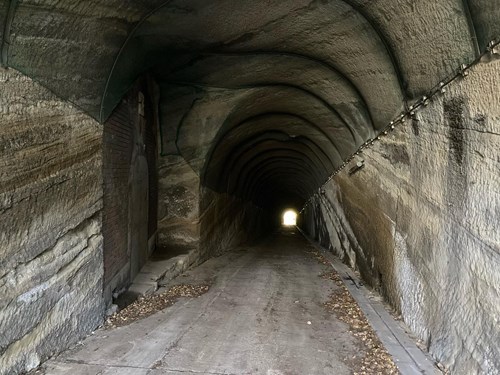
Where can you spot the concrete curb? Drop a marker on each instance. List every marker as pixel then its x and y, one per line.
pixel 407 356
pixel 156 274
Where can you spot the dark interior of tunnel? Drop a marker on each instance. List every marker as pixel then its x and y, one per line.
pixel 140 139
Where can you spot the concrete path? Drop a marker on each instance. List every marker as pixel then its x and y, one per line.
pixel 263 314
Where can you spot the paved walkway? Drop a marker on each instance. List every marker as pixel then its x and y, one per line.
pixel 263 314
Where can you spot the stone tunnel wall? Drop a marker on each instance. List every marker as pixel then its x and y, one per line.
pixel 419 222
pixel 227 222
pixel 51 262
pixel 178 208
pixel 197 220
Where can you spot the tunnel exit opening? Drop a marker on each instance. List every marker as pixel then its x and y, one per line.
pixel 289 218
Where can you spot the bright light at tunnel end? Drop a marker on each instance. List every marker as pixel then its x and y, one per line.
pixel 289 218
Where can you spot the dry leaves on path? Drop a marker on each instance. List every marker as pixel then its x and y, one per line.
pixel 319 257
pixel 149 305
pixel 375 358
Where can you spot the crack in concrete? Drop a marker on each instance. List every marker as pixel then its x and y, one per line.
pixel 80 362
pixel 198 372
pixel 69 361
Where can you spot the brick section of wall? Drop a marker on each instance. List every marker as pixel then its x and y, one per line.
pixel 118 147
pixel 151 142
pixel 117 152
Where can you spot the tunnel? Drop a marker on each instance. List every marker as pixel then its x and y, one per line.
pixel 165 133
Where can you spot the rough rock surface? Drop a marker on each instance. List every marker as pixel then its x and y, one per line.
pixel 101 45
pixel 420 222
pixel 178 209
pixel 227 222
pixel 192 217
pixel 50 224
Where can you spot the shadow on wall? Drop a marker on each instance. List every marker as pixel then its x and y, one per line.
pixel 227 222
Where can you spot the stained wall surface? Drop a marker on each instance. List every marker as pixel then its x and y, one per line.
pixel 420 222
pixel 51 261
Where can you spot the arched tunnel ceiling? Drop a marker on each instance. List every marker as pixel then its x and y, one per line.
pixel 290 87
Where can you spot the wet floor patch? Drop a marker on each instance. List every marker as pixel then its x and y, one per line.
pixel 146 306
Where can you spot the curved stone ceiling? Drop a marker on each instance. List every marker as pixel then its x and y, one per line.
pixel 263 99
